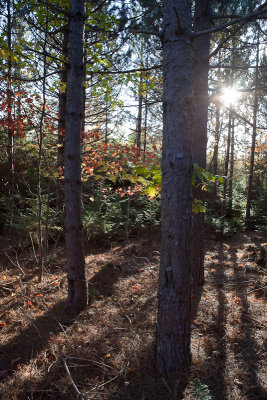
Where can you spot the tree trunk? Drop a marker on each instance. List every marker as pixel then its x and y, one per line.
pixel 62 123
pixel 215 156
pixel 77 288
pixel 231 171
pixel 10 128
pixel 145 128
pixel 174 303
pixel 140 112
pixel 202 21
pixel 226 167
pixel 253 142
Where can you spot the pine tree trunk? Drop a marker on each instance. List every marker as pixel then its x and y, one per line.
pixel 77 288
pixel 231 171
pixel 215 156
pixel 62 124
pixel 253 142
pixel 140 112
pixel 10 128
pixel 202 21
pixel 145 128
pixel 226 167
pixel 174 303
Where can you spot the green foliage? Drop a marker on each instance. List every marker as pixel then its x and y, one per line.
pixel 201 391
pixel 115 216
pixel 205 180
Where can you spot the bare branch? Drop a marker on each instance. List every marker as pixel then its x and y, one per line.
pixel 125 71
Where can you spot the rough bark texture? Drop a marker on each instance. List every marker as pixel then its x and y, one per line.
pixel 140 112
pixel 62 123
pixel 215 157
pixel 231 170
pixel 226 168
pixel 10 139
pixel 173 326
pixel 202 21
pixel 77 288
pixel 253 142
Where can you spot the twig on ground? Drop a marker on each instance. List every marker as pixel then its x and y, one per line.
pixel 105 383
pixel 91 361
pixel 79 394
pixel 147 260
pixel 126 366
pixel 124 312
pixel 15 264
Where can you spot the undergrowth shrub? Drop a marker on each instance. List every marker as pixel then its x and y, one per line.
pixel 201 391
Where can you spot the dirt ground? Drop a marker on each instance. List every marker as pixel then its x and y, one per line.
pixel 107 352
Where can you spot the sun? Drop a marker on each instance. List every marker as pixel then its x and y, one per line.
pixel 230 96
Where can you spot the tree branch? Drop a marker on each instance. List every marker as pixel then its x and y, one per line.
pixel 235 67
pixel 220 45
pixel 261 10
pixel 126 71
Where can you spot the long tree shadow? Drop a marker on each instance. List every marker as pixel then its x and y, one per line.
pixel 247 351
pixel 25 346
pixel 90 370
pixel 32 339
pixel 215 364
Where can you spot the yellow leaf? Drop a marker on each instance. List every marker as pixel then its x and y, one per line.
pixel 55 174
pixel 3 277
pixel 92 199
pixel 108 355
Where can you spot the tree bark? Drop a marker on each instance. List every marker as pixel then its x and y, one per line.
pixel 202 21
pixel 77 288
pixel 62 123
pixel 10 127
pixel 231 171
pixel 226 167
pixel 173 326
pixel 215 156
pixel 140 112
pixel 253 142
pixel 145 128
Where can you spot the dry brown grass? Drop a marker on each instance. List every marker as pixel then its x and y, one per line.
pixel 107 352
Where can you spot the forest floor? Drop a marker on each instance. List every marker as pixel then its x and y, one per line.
pixel 107 352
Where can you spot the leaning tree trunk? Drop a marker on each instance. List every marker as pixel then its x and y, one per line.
pixel 202 21
pixel 77 288
pixel 173 326
pixel 253 143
